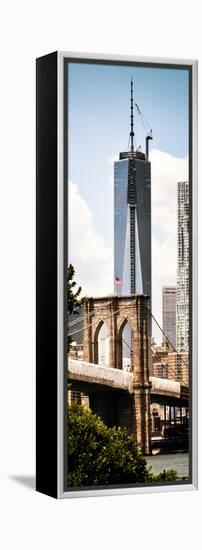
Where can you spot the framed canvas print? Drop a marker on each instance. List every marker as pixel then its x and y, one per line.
pixel 116 169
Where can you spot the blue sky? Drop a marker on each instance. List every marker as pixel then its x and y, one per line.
pixel 99 105
pixel 99 125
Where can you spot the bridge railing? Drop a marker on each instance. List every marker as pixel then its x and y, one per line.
pixel 100 374
pixel 165 386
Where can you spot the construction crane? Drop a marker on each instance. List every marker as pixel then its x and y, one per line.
pixel 147 129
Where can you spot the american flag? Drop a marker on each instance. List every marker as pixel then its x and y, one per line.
pixel 118 281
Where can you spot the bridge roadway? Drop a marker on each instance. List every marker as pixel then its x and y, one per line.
pixel 98 377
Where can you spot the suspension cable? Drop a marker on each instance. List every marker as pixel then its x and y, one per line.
pixel 174 349
pixel 162 364
pixel 83 316
pixel 117 311
pixel 110 315
pixel 75 321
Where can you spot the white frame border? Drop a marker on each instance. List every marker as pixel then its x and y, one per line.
pixel 60 307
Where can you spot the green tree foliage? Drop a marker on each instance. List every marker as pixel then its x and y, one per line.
pixel 166 475
pixel 72 293
pixel 98 455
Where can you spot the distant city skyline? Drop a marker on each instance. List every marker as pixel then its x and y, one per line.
pixel 98 101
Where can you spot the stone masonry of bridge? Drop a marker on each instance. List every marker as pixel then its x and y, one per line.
pixel 115 312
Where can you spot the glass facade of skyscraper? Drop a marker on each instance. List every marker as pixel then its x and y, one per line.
pixel 122 268
pixel 132 225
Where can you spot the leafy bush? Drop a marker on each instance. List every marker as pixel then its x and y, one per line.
pixel 166 475
pixel 98 455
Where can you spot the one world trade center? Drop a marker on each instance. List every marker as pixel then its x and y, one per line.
pixel 132 217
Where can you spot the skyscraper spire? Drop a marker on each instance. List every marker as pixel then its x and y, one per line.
pixel 131 118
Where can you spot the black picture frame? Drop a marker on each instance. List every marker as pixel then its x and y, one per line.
pixel 51 264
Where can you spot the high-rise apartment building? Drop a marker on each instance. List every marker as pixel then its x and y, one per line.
pixel 169 295
pixel 132 218
pixel 183 268
pixel 178 367
pixel 160 361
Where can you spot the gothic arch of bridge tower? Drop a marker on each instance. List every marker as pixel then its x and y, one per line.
pixel 115 312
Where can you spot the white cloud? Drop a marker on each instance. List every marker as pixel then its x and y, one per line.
pixel 166 170
pixel 87 251
pixel 112 159
pixel 93 259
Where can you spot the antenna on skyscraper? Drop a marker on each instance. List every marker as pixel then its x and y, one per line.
pixel 131 118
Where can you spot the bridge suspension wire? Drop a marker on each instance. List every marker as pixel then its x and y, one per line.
pixel 121 309
pixel 92 313
pixel 132 353
pixel 104 318
pixel 168 340
pixel 83 316
pixel 172 371
pixel 162 364
pixel 114 313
